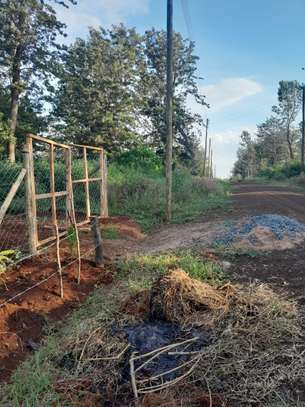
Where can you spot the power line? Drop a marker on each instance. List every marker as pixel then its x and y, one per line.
pixel 187 17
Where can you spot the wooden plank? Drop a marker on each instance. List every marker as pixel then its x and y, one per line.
pixel 84 180
pixel 50 239
pixel 11 194
pixel 52 186
pixel 31 211
pixel 87 190
pixel 48 141
pixel 84 146
pixel 50 195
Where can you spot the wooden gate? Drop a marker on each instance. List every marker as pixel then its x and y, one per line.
pixel 32 197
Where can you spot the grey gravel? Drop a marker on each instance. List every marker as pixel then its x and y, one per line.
pixel 279 225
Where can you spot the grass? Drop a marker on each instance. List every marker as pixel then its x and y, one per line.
pixel 110 233
pixel 140 194
pixel 33 383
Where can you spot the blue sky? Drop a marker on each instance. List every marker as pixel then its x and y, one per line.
pixel 245 47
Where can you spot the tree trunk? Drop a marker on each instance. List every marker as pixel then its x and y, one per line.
pixel 291 155
pixel 15 93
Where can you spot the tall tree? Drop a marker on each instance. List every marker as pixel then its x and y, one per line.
pixel 96 100
pixel 289 105
pixel 153 88
pixel 28 49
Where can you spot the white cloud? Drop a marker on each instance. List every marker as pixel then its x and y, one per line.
pixel 230 91
pixel 97 13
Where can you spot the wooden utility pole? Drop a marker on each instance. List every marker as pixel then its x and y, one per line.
pixel 211 165
pixel 209 157
pixel 169 111
pixel 205 147
pixel 303 130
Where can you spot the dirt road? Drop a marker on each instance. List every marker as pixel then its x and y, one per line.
pixel 252 199
pixel 285 270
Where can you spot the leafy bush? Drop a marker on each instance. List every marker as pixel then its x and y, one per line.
pixel 281 171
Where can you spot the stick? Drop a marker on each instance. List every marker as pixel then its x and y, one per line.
pixel 11 194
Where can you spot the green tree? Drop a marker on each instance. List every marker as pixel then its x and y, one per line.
pixel 152 87
pixel 289 98
pixel 96 101
pixel 28 49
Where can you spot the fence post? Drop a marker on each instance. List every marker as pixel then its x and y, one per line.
pixel 103 185
pixel 31 211
pixel 87 190
pixel 98 243
pixel 69 188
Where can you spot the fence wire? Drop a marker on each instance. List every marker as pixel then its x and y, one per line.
pixel 13 229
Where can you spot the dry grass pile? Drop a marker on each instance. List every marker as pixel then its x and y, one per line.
pixel 176 297
pixel 256 356
pixel 258 353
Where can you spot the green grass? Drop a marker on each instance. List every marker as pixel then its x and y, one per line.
pixel 140 194
pixel 110 233
pixel 33 383
pixel 137 191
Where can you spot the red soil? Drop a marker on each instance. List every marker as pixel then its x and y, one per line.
pixel 22 320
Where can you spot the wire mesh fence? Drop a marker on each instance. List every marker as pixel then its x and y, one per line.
pixel 54 167
pixel 13 229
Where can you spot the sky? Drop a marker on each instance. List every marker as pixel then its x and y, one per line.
pixel 245 47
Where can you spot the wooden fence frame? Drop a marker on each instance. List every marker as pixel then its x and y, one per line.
pixel 32 197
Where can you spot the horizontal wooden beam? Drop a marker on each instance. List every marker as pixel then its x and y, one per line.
pixel 48 141
pixel 84 180
pixel 90 147
pixel 50 195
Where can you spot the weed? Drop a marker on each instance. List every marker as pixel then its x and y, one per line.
pixel 110 234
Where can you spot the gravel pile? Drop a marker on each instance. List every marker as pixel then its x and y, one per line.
pixel 280 226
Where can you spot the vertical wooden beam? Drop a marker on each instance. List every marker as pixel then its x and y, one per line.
pixel 87 190
pixel 52 184
pixel 103 186
pixel 31 211
pixel 69 188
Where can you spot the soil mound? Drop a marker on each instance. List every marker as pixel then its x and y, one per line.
pixel 265 232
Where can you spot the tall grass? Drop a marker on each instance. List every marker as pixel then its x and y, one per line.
pixel 136 189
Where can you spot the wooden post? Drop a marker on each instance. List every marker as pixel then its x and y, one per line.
pixel 52 185
pixel 11 194
pixel 69 188
pixel 70 209
pixel 31 211
pixel 87 190
pixel 103 186
pixel 98 243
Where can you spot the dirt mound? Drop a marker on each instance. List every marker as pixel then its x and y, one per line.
pixel 265 232
pixel 176 297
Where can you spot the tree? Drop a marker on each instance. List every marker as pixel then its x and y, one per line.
pixel 185 82
pixel 246 164
pixel 271 143
pixel 289 98
pixel 96 101
pixel 28 49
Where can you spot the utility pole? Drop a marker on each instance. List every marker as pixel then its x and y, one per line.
pixel 303 130
pixel 205 147
pixel 211 165
pixel 209 157
pixel 169 110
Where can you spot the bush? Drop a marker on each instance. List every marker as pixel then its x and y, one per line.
pixel 281 171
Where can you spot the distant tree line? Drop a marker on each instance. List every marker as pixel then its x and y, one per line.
pixel 277 139
pixel 106 90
